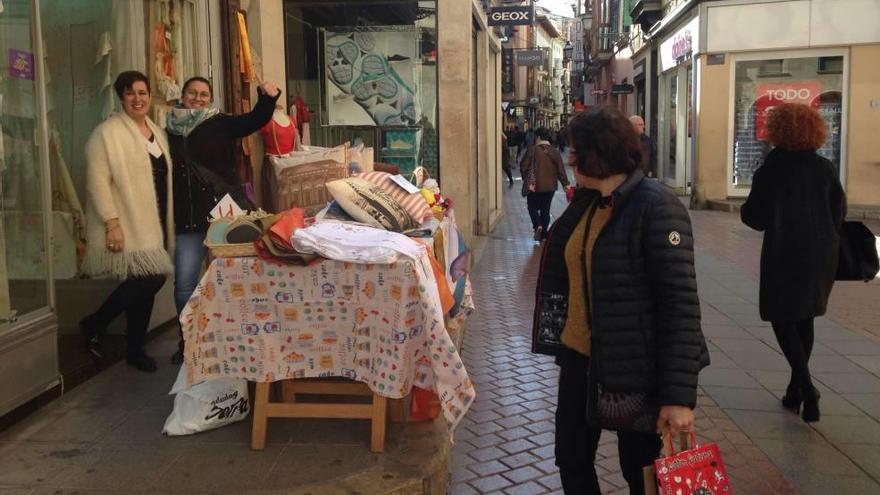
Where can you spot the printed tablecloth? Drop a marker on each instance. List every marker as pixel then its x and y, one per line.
pixel 376 324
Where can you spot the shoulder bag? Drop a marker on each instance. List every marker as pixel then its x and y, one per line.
pixel 858 253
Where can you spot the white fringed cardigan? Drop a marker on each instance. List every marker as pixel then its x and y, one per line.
pixel 120 185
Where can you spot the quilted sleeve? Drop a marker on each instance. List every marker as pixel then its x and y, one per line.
pixel 668 245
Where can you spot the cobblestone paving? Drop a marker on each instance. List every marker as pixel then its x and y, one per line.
pixel 505 444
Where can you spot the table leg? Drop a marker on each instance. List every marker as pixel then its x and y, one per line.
pixel 398 408
pixel 287 391
pixel 380 410
pixel 261 406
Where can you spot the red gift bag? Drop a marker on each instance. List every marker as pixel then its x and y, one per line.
pixel 698 471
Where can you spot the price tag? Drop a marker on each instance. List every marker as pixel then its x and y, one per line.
pixel 226 207
pixel 405 184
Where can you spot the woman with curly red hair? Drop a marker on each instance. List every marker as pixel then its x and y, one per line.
pixel 799 204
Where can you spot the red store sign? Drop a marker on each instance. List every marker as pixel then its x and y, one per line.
pixel 769 95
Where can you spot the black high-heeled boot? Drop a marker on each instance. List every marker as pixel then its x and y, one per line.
pixel 811 405
pixel 793 398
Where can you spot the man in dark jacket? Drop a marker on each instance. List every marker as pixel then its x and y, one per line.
pixel 541 169
pixel 649 147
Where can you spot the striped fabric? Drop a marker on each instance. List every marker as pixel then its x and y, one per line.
pixel 414 204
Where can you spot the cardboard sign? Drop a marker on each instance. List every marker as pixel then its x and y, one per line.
pixel 770 95
pixel 226 207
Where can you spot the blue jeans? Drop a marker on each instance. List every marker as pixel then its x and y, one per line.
pixel 189 254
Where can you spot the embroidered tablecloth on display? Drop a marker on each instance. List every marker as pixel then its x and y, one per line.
pixel 380 324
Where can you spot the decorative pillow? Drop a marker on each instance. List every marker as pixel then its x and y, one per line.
pixel 414 203
pixel 369 204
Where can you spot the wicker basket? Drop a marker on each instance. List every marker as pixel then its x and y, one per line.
pixel 232 250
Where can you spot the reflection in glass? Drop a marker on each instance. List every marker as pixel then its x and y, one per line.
pixel 762 84
pixel 368 74
pixel 23 267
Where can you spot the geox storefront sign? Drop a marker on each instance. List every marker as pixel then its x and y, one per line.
pixel 512 16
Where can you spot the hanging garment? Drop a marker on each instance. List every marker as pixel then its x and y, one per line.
pixel 246 66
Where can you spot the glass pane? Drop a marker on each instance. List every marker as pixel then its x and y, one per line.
pixel 78 60
pixel 367 73
pixel 763 84
pixel 23 272
pixel 672 124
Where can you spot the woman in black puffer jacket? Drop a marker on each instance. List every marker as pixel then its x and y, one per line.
pixel 617 305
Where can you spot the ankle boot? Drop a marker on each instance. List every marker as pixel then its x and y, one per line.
pixel 811 405
pixel 793 398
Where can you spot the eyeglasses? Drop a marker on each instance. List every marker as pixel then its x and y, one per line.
pixel 202 96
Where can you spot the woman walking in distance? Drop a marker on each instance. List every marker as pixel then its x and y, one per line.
pixel 129 216
pixel 799 204
pixel 617 304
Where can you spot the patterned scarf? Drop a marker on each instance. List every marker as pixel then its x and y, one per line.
pixel 181 121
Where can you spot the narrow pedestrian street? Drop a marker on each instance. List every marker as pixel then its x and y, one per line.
pixel 505 444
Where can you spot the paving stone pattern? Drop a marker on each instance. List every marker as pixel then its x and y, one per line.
pixel 505 444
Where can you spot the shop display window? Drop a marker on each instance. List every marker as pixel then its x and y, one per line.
pixel 86 44
pixel 23 269
pixel 762 84
pixel 367 73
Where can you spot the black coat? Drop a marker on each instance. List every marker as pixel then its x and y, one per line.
pixel 212 145
pixel 799 204
pixel 645 326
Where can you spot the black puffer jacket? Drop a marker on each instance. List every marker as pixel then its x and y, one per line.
pixel 646 334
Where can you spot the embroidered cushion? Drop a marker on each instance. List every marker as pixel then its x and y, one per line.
pixel 369 204
pixel 414 204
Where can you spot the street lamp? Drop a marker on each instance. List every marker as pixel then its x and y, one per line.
pixel 567 51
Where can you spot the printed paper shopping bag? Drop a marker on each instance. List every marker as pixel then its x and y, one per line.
pixel 698 471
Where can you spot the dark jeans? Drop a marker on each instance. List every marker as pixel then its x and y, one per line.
pixel 796 341
pixel 577 440
pixel 539 209
pixel 189 256
pixel 505 162
pixel 134 297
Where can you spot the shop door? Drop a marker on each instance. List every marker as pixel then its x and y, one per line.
pixel 475 145
pixel 668 148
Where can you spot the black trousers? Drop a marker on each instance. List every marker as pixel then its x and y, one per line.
pixel 796 341
pixel 505 163
pixel 577 440
pixel 134 297
pixel 539 209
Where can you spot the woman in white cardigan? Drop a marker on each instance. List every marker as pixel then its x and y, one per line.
pixel 129 223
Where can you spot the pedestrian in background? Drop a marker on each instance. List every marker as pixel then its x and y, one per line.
pixel 129 217
pixel 649 147
pixel 541 169
pixel 202 141
pixel 799 204
pixel 617 305
pixel 560 139
pixel 505 159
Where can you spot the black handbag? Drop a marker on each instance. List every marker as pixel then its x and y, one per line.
pixel 219 188
pixel 858 253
